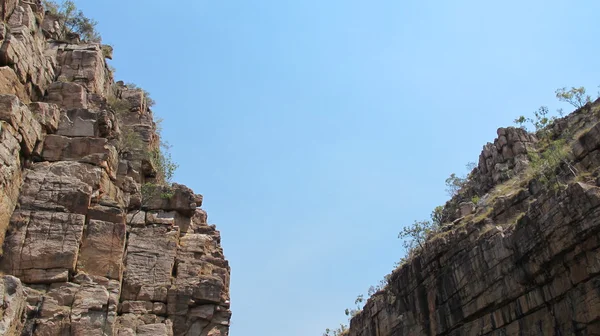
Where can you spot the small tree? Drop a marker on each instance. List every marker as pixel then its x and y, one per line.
pixel 416 234
pixel 575 96
pixel 541 119
pixel 73 20
pixel 437 216
pixel 454 184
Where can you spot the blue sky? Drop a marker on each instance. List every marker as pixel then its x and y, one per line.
pixel 316 129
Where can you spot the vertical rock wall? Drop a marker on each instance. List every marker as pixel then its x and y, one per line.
pixel 84 252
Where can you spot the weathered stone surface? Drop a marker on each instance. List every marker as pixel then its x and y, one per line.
pixel 158 329
pixel 13 303
pixel 183 200
pixel 67 95
pixel 41 246
pixel 21 118
pixel 51 26
pixel 52 187
pixel 95 151
pixel 78 309
pixel 79 123
pixel 150 250
pixel 23 49
pixel 7 8
pixel 10 84
pixel 101 251
pixel 48 115
pixel 83 64
pixel 10 174
pixel 66 186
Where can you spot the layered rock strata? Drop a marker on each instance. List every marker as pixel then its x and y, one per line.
pixel 84 250
pixel 522 260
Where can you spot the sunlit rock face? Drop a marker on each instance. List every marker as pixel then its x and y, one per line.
pixel 84 251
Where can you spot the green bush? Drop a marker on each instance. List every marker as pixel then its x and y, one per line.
pixel 547 166
pixel 342 330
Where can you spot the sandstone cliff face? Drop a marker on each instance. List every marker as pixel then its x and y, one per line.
pixel 84 252
pixel 524 260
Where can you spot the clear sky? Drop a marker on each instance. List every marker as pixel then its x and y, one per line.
pixel 316 129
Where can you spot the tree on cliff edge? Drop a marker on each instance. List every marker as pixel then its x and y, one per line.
pixel 72 20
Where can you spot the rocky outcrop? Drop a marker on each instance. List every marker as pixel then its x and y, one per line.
pixel 85 250
pixel 524 260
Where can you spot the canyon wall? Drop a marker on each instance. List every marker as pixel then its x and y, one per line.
pixel 516 255
pixel 86 248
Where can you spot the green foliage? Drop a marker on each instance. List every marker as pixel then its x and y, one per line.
pixel 454 184
pixel 353 312
pixel 154 190
pixel 342 330
pixel 575 96
pixel 546 166
pixel 130 140
pixel 73 20
pixel 107 51
pixel 416 234
pixel 475 199
pixel 437 216
pixel 163 163
pixel 541 119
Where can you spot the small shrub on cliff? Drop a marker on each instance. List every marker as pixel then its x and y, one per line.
pixel 414 235
pixel 73 20
pixel 540 121
pixel 547 166
pixel 437 216
pixel 161 158
pixel 454 183
pixel 341 331
pixel 129 140
pixel 575 96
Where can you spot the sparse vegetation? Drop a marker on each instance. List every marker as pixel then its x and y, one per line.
pixel 575 96
pixel 149 101
pixel 454 183
pixel 342 330
pixel 161 158
pixel 72 20
pixel 547 166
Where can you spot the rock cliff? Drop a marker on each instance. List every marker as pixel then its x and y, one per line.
pixel 86 249
pixel 515 256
